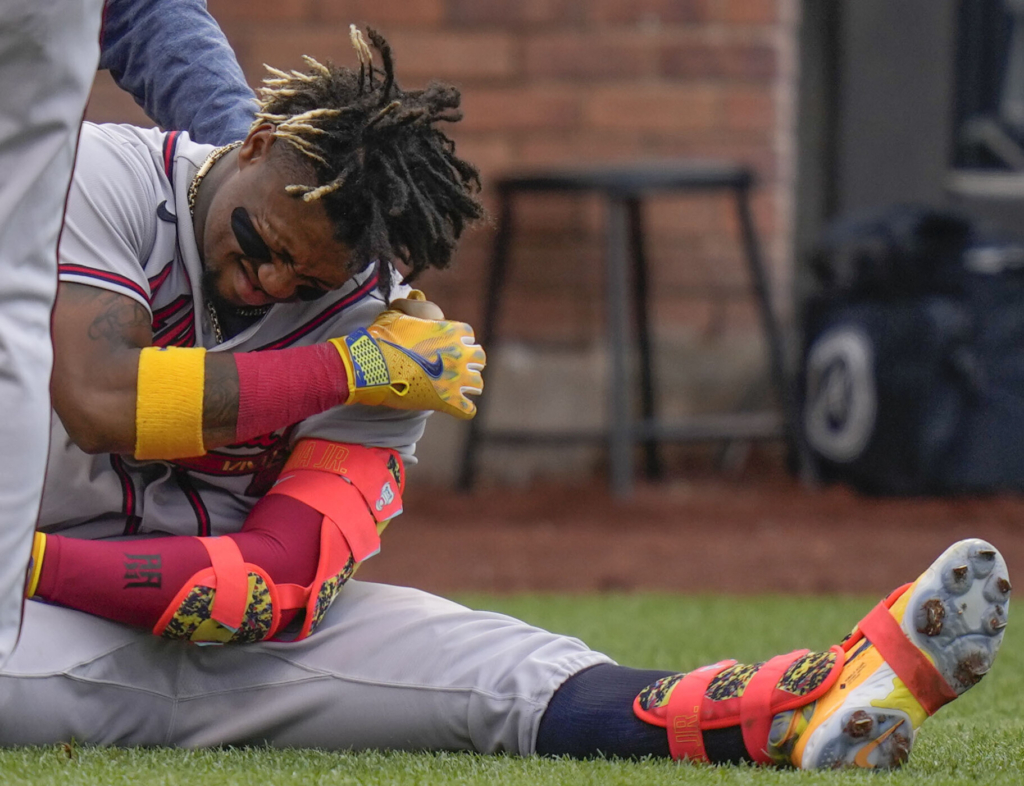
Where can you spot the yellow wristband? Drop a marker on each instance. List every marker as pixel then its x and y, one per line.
pixel 35 567
pixel 169 403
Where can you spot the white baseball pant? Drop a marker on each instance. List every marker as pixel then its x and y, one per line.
pixel 49 50
pixel 389 668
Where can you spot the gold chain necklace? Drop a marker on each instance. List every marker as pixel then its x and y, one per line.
pixel 193 192
pixel 218 332
pixel 248 313
pixel 204 170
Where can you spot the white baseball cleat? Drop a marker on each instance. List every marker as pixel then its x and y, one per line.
pixel 920 648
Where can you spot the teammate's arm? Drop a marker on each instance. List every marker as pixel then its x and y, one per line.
pixel 205 93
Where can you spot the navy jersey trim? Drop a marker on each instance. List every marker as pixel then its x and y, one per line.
pixel 181 333
pixel 103 275
pixel 196 501
pixel 163 315
pixel 170 145
pixel 160 278
pixel 128 506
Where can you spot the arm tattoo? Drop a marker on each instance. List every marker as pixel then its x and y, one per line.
pixel 119 320
pixel 220 399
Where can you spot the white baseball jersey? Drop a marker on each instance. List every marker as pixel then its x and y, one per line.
pixel 389 667
pixel 128 230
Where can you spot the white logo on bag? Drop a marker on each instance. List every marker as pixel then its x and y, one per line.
pixel 387 496
pixel 842 402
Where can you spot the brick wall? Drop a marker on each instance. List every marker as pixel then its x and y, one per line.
pixel 556 81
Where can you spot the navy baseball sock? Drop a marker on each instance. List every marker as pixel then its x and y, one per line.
pixel 591 714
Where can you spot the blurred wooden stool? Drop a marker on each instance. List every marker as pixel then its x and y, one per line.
pixel 624 187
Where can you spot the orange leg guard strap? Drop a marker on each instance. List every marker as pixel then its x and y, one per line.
pixel 685 738
pixel 230 602
pixel 378 474
pixel 339 502
pixel 232 595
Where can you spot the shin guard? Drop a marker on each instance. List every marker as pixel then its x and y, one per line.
pixel 230 602
pixel 734 694
pixel 358 490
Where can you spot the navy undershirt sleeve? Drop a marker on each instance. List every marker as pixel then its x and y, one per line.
pixel 175 61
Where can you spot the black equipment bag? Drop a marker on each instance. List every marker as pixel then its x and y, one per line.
pixel 912 377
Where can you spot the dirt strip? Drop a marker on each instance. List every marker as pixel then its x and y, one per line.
pixel 706 535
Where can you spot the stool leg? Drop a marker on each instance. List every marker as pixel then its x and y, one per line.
pixel 642 309
pixel 776 356
pixel 488 332
pixel 620 429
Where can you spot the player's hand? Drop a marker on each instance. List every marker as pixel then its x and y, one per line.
pixel 417 305
pixel 407 362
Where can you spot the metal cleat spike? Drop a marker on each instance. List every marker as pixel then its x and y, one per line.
pixel 1004 586
pixel 998 624
pixel 987 554
pixel 859 725
pixel 960 572
pixel 971 669
pixel 934 614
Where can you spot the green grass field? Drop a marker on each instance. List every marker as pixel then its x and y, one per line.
pixel 977 739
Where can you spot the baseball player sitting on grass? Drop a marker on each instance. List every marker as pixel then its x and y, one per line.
pixel 236 400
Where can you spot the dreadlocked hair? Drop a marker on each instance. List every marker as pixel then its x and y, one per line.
pixel 387 176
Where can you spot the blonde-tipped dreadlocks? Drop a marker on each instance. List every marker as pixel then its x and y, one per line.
pixel 388 178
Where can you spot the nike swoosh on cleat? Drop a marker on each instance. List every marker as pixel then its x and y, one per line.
pixel 861 759
pixel 432 367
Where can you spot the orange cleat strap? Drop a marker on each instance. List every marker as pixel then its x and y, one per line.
pixel 922 679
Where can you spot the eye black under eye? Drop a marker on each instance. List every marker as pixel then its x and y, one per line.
pixel 248 238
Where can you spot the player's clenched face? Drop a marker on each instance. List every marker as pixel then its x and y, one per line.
pixel 260 245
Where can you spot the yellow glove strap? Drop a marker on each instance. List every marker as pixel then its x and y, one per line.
pixel 36 566
pixel 169 403
pixel 366 368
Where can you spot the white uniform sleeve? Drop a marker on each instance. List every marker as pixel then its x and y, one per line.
pixel 110 222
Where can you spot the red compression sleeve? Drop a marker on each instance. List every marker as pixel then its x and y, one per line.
pixel 134 581
pixel 283 386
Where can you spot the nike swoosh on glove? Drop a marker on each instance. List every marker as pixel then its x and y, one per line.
pixel 405 362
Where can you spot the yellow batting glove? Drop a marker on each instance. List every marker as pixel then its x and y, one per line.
pixel 405 362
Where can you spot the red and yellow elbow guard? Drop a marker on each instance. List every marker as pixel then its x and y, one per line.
pixel 356 489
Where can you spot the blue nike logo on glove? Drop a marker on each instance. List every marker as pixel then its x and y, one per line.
pixel 433 368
